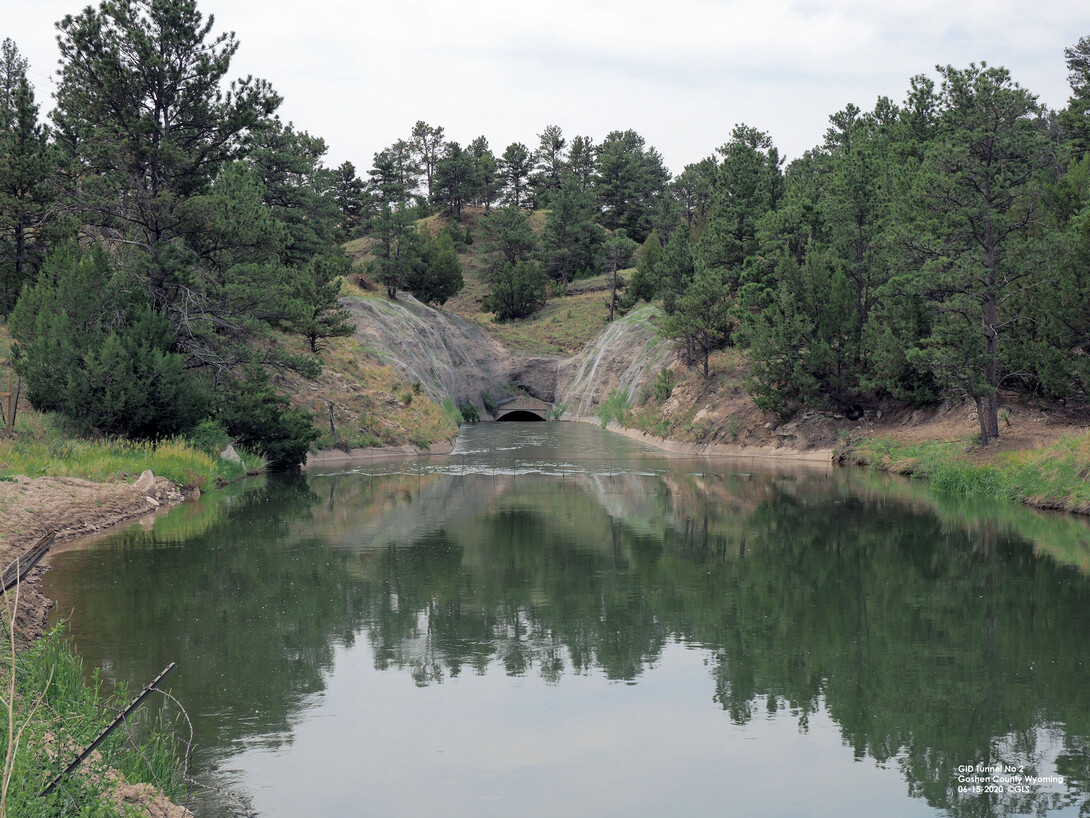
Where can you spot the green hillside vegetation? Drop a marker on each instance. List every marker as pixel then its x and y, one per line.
pixel 922 253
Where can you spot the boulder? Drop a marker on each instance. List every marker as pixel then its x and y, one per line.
pixel 145 483
pixel 230 455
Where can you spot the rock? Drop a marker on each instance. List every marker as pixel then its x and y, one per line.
pixel 152 502
pixel 145 483
pixel 230 455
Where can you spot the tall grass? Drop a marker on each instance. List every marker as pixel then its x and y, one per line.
pixel 1053 476
pixel 43 447
pixel 69 714
pixel 614 407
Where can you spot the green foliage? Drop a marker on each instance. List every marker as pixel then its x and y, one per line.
pixel 518 291
pixel 614 408
pixel 617 252
pixel 701 319
pixel 88 349
pixel 644 283
pixel 439 275
pixel 488 403
pixel 45 446
pixel 27 183
pixel 631 179
pixel 258 418
pixel 1050 477
pixel 71 714
pixel 664 384
pixel 571 239
pixel 510 234
pixel 398 247
pixel 468 411
pixel 803 348
pixel 316 314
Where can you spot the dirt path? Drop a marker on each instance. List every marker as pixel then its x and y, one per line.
pixel 29 509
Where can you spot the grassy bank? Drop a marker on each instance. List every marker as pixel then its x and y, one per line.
pixel 43 447
pixel 1052 477
pixel 52 715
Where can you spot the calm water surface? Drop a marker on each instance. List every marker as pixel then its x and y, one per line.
pixel 554 621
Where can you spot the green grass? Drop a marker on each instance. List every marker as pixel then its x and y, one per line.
pixel 614 407
pixel 43 447
pixel 1054 476
pixel 62 715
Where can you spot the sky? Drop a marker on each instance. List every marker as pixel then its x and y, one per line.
pixel 682 73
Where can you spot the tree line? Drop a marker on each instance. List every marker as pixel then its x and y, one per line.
pixel 927 249
pixel 158 231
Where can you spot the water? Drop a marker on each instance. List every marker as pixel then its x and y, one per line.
pixel 555 621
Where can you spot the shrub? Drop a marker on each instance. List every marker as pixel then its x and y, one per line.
pixel 90 350
pixel 258 418
pixel 518 291
pixel 469 411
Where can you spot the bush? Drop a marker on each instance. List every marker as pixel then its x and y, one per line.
pixel 258 418
pixel 92 351
pixel 518 291
pixel 469 411
pixel 488 403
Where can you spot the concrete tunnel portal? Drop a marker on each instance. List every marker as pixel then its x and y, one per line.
pixel 523 408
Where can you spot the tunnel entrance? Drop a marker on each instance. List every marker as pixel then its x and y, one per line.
pixel 523 408
pixel 520 415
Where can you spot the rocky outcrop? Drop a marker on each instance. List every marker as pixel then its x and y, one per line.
pixel 453 358
pixel 624 357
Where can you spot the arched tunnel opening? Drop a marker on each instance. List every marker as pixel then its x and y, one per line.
pixel 521 416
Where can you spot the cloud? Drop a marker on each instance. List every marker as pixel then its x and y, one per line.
pixel 680 73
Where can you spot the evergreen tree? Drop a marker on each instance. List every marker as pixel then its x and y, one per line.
pixel 398 248
pixel 314 293
pixel 803 345
pixel 509 232
pixel 439 276
pixel 977 200
pixel 258 418
pixel 570 240
pixel 617 252
pixel 630 180
pixel 453 185
pixel 514 167
pixel 693 188
pixel 700 319
pixel 644 284
pixel 748 185
pixel 27 166
pixel 1075 118
pixel 427 146
pixel 288 163
pixel 486 178
pixel 549 165
pixel 142 116
pixel 350 194
pixel 518 291
pixel 87 346
pixel 582 161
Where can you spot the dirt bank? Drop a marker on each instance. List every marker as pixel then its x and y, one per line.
pixel 340 457
pixel 29 509
pixel 724 449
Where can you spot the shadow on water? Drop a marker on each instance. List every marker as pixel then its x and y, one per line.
pixel 936 634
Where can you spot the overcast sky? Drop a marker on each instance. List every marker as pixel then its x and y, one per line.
pixel 682 73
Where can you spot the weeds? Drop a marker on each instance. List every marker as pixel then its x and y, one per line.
pixel 614 407
pixel 1050 477
pixel 42 448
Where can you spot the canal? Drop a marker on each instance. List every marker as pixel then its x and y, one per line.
pixel 554 620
